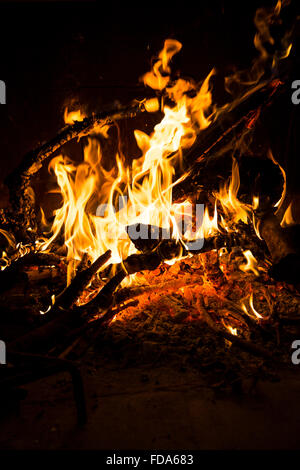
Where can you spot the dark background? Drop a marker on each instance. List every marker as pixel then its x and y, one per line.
pixel 94 53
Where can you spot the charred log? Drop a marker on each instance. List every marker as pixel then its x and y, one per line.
pixel 214 142
pixel 166 250
pixel 70 294
pixel 286 259
pixel 43 338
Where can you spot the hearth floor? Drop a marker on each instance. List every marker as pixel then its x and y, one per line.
pixel 154 406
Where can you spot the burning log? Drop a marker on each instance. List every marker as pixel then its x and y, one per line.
pixel 150 237
pixel 70 294
pixel 15 264
pixel 166 250
pixel 17 255
pixel 42 338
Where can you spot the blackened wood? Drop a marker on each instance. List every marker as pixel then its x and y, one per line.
pixel 81 280
pixel 166 250
pixel 41 339
pixel 237 120
pixel 286 259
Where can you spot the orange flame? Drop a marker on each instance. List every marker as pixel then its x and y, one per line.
pixel 264 19
pixel 227 196
pixel 159 77
pixel 88 216
pixel 72 116
pixel 253 313
pixel 288 218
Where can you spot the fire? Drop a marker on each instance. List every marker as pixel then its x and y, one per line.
pixel 252 312
pixel 263 39
pixel 279 203
pixel 159 77
pixel 88 214
pixel 72 116
pixel 251 264
pixel 227 196
pixel 98 204
pixel 287 218
pixel 258 315
pixel 232 330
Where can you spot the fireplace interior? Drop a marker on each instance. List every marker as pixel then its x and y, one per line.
pixel 149 226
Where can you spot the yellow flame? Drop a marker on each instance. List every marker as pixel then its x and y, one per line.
pixel 283 194
pixel 287 218
pixel 159 77
pixel 144 188
pixel 72 116
pixel 258 315
pixel 251 264
pixel 255 202
pixel 90 218
pixel 253 313
pixel 264 18
pixel 227 196
pixel 232 330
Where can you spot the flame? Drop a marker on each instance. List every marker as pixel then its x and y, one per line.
pixel 287 218
pixel 253 313
pixel 88 215
pixel 263 20
pixel 279 203
pixel 46 311
pixel 227 196
pixel 258 315
pixel 159 77
pixel 98 204
pixel 255 203
pixel 232 330
pixel 251 263
pixel 72 116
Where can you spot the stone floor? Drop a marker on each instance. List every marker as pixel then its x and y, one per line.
pixel 149 407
